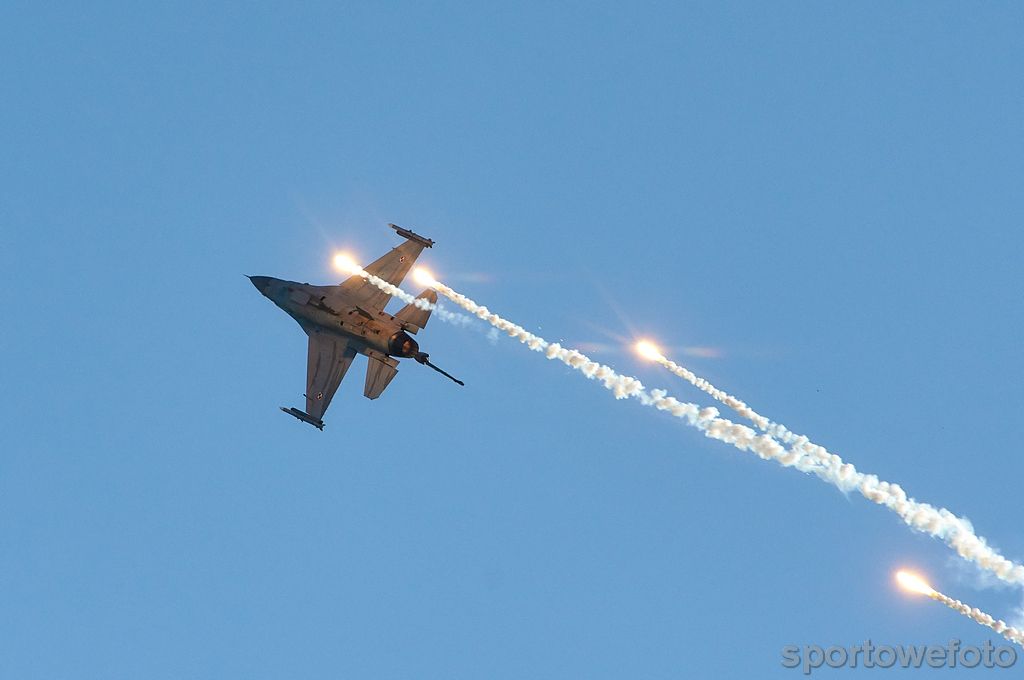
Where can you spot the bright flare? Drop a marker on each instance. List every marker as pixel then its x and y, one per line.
pixel 913 583
pixel 648 350
pixel 423 277
pixel 345 263
pixel 348 265
pixel 916 584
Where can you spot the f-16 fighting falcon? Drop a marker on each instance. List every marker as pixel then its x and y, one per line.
pixel 348 319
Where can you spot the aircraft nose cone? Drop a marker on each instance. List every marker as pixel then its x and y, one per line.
pixel 261 283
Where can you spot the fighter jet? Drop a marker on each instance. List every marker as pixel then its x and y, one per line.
pixel 348 319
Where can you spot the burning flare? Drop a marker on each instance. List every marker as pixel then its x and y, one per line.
pixel 346 264
pixel 648 350
pixel 913 583
pixel 423 277
pixel 916 584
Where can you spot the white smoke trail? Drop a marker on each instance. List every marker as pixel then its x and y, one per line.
pixel 914 583
pixel 445 315
pixel 719 395
pixel 998 625
pixel 957 532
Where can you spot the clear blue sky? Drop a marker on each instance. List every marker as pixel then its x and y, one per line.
pixel 828 194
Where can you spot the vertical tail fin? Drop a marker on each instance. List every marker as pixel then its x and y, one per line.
pixel 413 317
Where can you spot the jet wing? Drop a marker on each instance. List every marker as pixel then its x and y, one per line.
pixel 328 360
pixel 391 267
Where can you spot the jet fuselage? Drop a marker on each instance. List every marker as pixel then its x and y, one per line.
pixel 369 332
pixel 348 319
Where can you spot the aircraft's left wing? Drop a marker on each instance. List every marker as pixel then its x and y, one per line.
pixel 328 360
pixel 391 267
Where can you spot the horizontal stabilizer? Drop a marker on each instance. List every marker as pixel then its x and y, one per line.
pixel 414 318
pixel 379 373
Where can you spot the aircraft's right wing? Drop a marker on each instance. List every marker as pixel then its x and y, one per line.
pixel 328 360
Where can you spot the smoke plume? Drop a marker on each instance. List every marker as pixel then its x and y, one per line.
pixel 804 455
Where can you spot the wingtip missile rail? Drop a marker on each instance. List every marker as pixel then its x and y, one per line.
pixel 412 236
pixel 304 417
